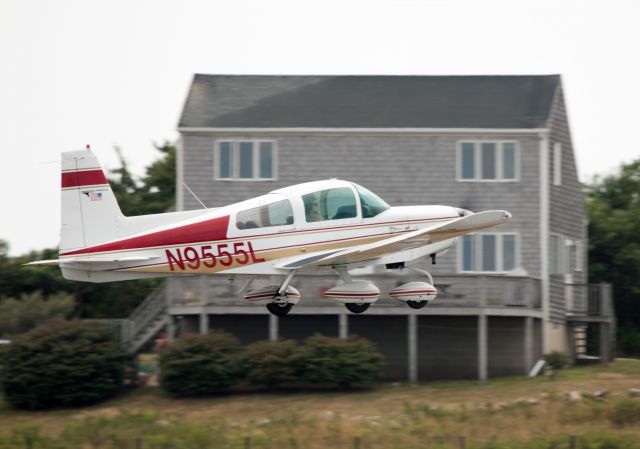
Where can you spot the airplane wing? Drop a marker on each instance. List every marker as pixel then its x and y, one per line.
pixel 410 240
pixel 92 260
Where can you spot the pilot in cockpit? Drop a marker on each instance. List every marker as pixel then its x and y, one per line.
pixel 312 208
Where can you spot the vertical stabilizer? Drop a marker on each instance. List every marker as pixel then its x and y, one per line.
pixel 89 211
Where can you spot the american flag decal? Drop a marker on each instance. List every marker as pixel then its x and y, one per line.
pixel 95 196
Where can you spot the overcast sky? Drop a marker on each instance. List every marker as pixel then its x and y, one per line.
pixel 117 72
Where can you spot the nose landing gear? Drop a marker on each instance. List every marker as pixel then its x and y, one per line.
pixel 279 308
pixel 279 299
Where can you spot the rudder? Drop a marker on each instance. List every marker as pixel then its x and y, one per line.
pixel 89 210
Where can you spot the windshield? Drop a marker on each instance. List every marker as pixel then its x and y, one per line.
pixel 372 204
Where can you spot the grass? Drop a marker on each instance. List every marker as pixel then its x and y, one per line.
pixel 436 414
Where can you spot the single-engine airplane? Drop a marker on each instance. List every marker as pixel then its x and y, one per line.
pixel 330 226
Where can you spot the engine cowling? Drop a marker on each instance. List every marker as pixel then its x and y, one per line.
pixel 363 292
pixel 265 295
pixel 414 291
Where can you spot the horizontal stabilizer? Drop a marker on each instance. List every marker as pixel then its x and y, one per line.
pixel 107 259
pixel 51 262
pixel 92 260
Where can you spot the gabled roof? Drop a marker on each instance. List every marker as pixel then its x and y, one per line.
pixel 249 101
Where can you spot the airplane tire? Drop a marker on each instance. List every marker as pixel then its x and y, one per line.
pixel 416 304
pixel 279 309
pixel 356 308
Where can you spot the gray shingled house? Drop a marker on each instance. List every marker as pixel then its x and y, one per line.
pixel 477 142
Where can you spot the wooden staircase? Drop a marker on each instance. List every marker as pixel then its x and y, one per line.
pixel 149 318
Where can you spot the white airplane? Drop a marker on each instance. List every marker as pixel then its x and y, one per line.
pixel 330 226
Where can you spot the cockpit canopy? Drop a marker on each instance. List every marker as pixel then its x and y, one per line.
pixel 371 203
pixel 331 201
pixel 340 202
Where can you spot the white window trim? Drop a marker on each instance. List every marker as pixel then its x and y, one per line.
pixel 563 254
pixel 477 153
pixel 499 253
pixel 555 249
pixel 235 153
pixel 557 164
pixel 579 256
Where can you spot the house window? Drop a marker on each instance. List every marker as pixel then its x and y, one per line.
pixel 488 252
pixel 245 160
pixel 487 161
pixel 565 255
pixel 557 164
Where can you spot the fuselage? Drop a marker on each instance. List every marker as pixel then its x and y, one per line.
pixel 259 235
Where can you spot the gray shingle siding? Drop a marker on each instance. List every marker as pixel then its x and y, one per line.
pixel 567 208
pixel 402 169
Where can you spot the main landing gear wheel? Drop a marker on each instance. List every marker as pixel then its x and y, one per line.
pixel 416 304
pixel 357 308
pixel 279 308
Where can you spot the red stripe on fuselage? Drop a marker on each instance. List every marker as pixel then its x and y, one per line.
pixel 83 178
pixel 204 231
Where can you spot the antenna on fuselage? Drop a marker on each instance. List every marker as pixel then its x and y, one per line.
pixel 194 195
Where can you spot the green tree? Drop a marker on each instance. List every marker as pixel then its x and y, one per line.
pixel 155 192
pixel 16 279
pixel 18 315
pixel 614 239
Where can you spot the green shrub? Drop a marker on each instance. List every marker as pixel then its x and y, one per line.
pixel 625 412
pixel 557 360
pixel 201 364
pixel 273 363
pixel 341 362
pixel 62 363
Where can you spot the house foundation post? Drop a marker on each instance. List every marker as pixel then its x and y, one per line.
pixel 482 347
pixel 273 327
pixel 343 325
pixel 483 333
pixel 528 345
pixel 412 343
pixel 204 323
pixel 171 328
